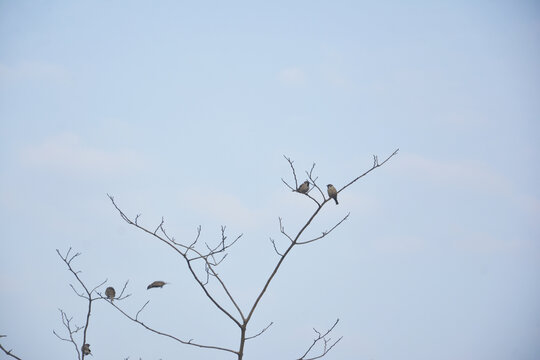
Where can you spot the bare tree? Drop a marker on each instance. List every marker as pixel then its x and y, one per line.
pixel 82 348
pixel 197 255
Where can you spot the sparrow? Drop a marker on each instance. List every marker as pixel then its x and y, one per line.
pixel 304 188
pixel 156 284
pixel 110 293
pixel 86 349
pixel 332 192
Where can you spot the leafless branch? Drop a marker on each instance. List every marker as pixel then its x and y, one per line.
pixel 119 297
pixel 304 227
pixel 190 267
pixel 312 198
pixel 207 272
pixel 282 230
pixel 221 246
pixel 96 287
pixel 78 293
pixel 186 342
pixel 324 233
pixel 73 329
pixel 260 332
pixel 210 258
pixel 314 182
pixel 293 171
pixel 160 226
pixel 141 309
pixel 75 273
pixel 376 165
pixel 289 186
pixel 327 343
pixel 172 241
pixel 309 174
pixel 67 324
pixel 68 260
pixel 195 241
pixel 8 352
pixel 278 265
pixel 275 248
pixel 122 292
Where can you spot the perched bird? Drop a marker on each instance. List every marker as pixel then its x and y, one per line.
pixel 304 188
pixel 86 349
pixel 332 192
pixel 110 293
pixel 156 284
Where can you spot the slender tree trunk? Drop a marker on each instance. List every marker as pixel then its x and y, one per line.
pixel 242 341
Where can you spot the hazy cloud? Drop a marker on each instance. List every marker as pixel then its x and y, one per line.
pixel 455 173
pixel 292 76
pixel 223 207
pixel 466 174
pixel 34 71
pixel 483 242
pixel 398 244
pixel 335 77
pixel 67 152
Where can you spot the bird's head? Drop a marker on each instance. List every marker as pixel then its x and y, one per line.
pixel 329 185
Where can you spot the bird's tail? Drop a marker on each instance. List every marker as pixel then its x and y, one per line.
pixel 335 199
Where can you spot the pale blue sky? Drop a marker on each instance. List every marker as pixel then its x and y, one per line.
pixel 184 110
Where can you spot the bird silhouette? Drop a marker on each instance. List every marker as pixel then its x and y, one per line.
pixel 304 188
pixel 110 293
pixel 86 349
pixel 156 284
pixel 332 192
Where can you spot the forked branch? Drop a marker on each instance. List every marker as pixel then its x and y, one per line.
pixel 376 165
pixel 260 332
pixel 90 295
pixel 87 294
pixel 325 342
pixel 324 233
pixel 178 247
pixel 8 352
pixel 66 321
pixel 186 342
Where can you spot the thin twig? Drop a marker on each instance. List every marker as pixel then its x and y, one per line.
pixel 289 186
pixel 314 181
pixel 190 267
pixel 260 332
pixel 375 165
pixel 282 230
pixel 67 260
pixel 141 309
pixel 326 342
pixel 324 233
pixel 122 292
pixel 186 342
pixel 293 171
pixel 8 352
pixel 275 248
pixel 67 324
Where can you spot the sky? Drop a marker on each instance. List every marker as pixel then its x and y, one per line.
pixel 184 110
